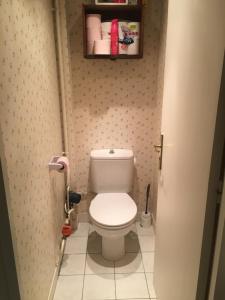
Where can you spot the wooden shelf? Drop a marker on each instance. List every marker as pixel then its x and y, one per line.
pixel 120 56
pixel 133 13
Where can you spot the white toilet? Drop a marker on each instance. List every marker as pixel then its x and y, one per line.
pixel 112 211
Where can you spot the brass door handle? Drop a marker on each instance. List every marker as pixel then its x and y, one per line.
pixel 159 149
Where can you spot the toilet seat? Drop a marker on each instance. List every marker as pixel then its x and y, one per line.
pixel 113 210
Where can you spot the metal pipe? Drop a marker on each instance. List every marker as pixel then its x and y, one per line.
pixel 62 85
pixel 63 95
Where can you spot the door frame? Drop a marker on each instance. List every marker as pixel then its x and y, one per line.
pixel 220 288
pixel 9 287
pixel 213 198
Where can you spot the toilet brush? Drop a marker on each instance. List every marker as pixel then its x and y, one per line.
pixel 146 216
pixel 147 197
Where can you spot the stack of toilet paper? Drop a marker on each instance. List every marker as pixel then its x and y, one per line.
pixel 106 30
pixel 95 43
pixel 93 24
pixel 99 36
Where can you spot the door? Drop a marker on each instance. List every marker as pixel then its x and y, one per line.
pixel 215 208
pixel 217 288
pixel 9 288
pixel 193 67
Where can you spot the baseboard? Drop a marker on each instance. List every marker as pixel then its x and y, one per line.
pixel 56 272
pixel 53 284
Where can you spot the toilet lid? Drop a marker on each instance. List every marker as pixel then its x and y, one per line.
pixel 113 209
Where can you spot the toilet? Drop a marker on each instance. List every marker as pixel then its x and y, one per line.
pixel 112 211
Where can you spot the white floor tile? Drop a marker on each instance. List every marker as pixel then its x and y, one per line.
pixel 147 243
pixel 82 230
pixel 144 231
pixel 131 242
pixel 73 264
pixel 131 286
pixel 151 289
pixel 69 288
pixel 97 287
pixel 148 261
pixel 130 263
pixel 96 264
pixel 76 245
pixel 94 244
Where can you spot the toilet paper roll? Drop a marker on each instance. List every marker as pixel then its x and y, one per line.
pixel 102 47
pixel 133 49
pixel 93 34
pixel 93 21
pixel 90 47
pixel 63 160
pixel 106 30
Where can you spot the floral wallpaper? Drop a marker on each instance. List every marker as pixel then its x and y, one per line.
pixel 114 104
pixel 30 134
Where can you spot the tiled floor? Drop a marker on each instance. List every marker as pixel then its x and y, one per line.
pixel 86 275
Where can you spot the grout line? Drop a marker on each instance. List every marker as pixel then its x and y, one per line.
pixel 144 267
pixel 136 298
pixel 78 253
pixel 77 237
pixel 88 252
pixel 115 277
pixel 79 274
pixel 147 285
pixel 85 264
pixel 145 275
pixel 70 275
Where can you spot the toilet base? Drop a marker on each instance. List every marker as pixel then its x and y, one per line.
pixel 113 240
pixel 113 248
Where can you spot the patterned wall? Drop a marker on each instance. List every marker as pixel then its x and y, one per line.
pixel 114 103
pixel 30 135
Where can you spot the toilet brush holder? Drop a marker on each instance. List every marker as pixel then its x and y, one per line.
pixel 146 219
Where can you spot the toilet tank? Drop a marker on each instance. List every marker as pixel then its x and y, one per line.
pixel 111 170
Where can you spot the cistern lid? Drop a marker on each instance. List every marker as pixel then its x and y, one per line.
pixel 113 209
pixel 112 154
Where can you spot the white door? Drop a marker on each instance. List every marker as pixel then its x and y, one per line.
pixel 194 58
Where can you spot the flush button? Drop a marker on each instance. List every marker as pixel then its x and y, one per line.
pixel 111 151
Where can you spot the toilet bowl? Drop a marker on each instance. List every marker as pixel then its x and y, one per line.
pixel 112 216
pixel 112 211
